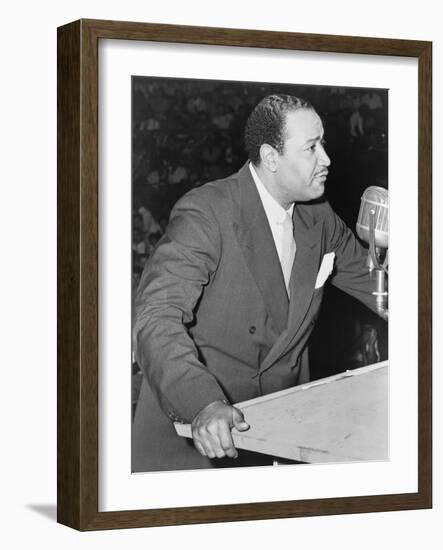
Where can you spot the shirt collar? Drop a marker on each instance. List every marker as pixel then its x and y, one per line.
pixel 274 211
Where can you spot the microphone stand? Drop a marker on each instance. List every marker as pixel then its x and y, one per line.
pixel 381 270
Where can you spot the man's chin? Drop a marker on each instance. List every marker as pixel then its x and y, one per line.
pixel 318 191
pixel 313 194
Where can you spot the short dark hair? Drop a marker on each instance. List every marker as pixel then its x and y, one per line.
pixel 267 122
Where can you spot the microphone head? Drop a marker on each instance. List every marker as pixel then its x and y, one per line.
pixel 374 202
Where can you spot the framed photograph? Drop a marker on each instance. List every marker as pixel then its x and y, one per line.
pixel 230 204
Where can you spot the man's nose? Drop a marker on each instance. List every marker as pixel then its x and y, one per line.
pixel 323 158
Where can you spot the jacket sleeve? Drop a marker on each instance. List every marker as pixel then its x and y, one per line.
pixel 171 285
pixel 351 272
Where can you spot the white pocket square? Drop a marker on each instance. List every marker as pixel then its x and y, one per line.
pixel 325 270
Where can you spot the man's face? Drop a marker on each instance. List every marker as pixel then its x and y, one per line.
pixel 302 168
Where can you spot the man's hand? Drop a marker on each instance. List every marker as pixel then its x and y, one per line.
pixel 211 429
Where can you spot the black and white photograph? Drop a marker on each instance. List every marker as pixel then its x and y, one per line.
pixel 260 237
pixel 222 255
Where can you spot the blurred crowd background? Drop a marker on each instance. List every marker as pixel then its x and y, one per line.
pixel 188 132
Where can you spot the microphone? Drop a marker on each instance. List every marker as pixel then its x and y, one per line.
pixel 373 228
pixel 374 207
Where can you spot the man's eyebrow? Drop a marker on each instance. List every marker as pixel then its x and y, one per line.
pixel 312 140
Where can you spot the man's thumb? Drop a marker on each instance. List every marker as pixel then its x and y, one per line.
pixel 239 420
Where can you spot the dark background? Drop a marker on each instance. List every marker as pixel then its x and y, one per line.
pixel 187 132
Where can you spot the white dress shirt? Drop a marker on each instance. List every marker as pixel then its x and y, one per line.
pixel 275 213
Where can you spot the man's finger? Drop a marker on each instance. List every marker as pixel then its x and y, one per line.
pixel 207 446
pixel 239 421
pixel 199 447
pixel 217 447
pixel 227 443
pixel 202 440
pixel 218 432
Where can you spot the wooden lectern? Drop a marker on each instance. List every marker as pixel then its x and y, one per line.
pixel 341 418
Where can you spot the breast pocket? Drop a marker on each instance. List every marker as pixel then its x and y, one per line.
pixel 326 267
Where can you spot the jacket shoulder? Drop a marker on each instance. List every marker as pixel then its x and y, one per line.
pixel 216 195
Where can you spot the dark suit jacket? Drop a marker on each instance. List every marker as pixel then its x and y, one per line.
pixel 212 316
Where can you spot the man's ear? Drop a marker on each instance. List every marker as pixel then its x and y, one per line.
pixel 269 157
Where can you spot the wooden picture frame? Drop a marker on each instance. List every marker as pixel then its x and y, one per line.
pixel 77 456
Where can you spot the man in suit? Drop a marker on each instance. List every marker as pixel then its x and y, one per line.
pixel 228 300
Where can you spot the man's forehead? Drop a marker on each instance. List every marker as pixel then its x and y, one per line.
pixel 303 125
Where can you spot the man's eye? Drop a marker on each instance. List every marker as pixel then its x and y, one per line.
pixel 312 147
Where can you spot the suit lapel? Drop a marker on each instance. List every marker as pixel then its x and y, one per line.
pixel 305 268
pixel 308 238
pixel 257 243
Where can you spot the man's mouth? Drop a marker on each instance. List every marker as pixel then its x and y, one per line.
pixel 322 174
